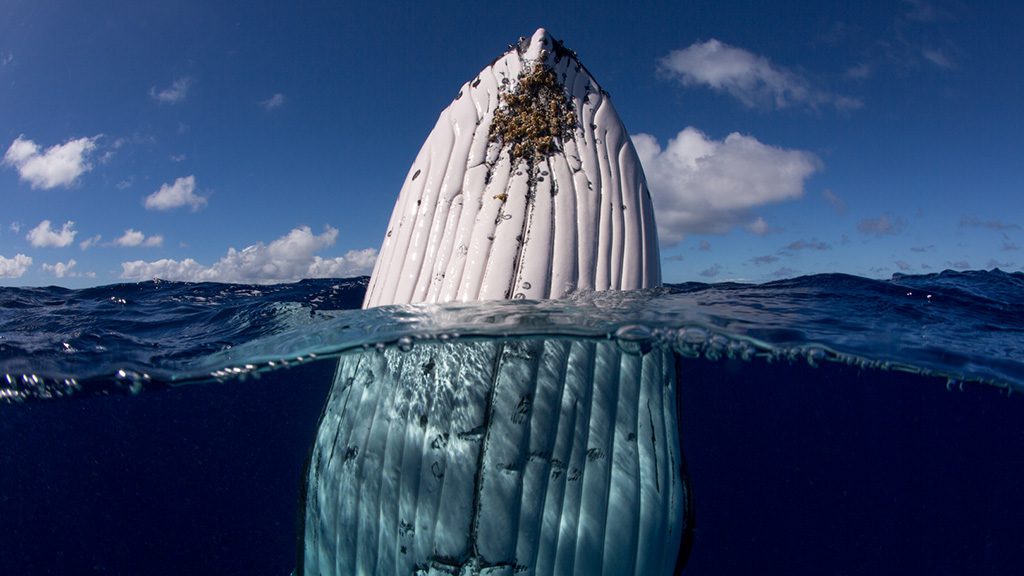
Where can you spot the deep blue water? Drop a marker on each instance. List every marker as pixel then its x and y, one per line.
pixel 832 424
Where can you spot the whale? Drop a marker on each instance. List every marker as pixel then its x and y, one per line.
pixel 540 455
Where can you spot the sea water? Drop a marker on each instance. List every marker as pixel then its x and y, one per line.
pixel 831 424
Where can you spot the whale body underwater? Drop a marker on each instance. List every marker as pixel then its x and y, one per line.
pixel 530 456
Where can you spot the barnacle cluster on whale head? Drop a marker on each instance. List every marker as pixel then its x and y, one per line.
pixel 536 114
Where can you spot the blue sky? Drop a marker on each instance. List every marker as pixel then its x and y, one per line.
pixel 258 142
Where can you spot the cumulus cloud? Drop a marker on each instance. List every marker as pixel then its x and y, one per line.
pixel 881 226
pixel 921 11
pixel 836 202
pixel 173 94
pixel 58 165
pixel 14 267
pixel 700 185
pixel 181 193
pixel 44 236
pixel 132 237
pixel 758 226
pixel 812 244
pixel 785 272
pixel 993 224
pixel 766 259
pixel 287 259
pixel 859 72
pixel 938 58
pixel 66 270
pixel 90 242
pixel 711 271
pixel 275 101
pixel 753 80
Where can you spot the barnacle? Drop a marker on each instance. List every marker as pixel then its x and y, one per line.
pixel 534 117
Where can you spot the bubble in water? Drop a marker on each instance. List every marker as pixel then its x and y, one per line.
pixel 688 341
pixel 405 344
pixel 717 346
pixel 693 335
pixel 741 350
pixel 134 380
pixel 633 339
pixel 814 356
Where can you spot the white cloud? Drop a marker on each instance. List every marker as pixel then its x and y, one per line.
pixel 758 226
pixel 177 91
pixel 287 259
pixel 712 271
pixel 16 227
pixel 938 58
pixel 352 263
pixel 181 193
pixel 812 244
pixel 90 242
pixel 62 270
pixel 700 185
pixel 921 11
pixel 132 237
pixel 859 72
pixel 993 224
pixel 43 235
pixel 275 101
pixel 59 165
pixel 834 199
pixel 14 267
pixel 751 79
pixel 881 226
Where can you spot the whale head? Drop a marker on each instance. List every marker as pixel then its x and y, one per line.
pixel 528 186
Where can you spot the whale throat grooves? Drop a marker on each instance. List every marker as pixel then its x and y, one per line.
pixel 539 455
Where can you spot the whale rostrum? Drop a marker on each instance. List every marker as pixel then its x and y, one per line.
pixel 536 455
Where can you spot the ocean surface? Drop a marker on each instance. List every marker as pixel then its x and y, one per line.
pixel 831 424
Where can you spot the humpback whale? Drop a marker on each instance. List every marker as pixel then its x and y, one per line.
pixel 523 456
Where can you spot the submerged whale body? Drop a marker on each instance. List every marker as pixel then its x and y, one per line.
pixel 536 455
